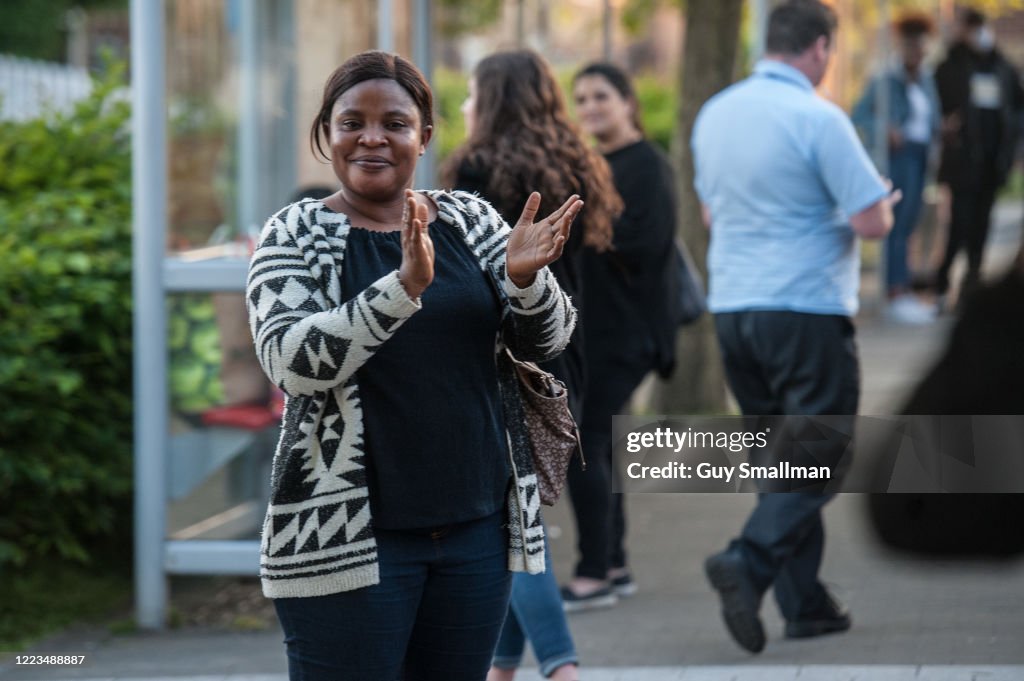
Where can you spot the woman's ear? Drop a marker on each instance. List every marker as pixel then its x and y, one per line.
pixel 425 135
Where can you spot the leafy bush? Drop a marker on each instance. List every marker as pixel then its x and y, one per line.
pixel 65 328
pixel 450 90
pixel 657 109
pixel 1014 187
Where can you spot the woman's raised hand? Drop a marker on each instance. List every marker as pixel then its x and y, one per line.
pixel 417 268
pixel 533 245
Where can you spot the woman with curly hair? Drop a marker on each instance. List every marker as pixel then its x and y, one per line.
pixel 521 139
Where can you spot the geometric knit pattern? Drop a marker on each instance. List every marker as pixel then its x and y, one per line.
pixel 317 536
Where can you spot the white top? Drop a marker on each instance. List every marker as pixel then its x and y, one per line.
pixel 986 92
pixel 918 127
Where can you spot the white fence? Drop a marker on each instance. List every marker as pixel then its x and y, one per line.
pixel 30 88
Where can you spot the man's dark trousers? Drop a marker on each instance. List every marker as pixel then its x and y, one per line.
pixel 970 220
pixel 794 363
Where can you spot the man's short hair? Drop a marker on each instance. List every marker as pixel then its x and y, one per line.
pixel 796 24
pixel 972 18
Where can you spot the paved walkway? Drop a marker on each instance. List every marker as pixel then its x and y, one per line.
pixel 934 620
pixel 751 673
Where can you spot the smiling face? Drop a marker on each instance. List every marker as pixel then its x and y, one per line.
pixel 602 110
pixel 376 138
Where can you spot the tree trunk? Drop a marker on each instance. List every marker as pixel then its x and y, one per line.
pixel 709 60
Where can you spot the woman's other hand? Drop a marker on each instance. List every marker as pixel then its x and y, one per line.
pixel 417 268
pixel 533 245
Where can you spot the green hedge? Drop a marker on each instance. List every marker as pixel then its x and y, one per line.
pixel 65 328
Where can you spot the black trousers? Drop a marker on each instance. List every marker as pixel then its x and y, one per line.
pixel 780 362
pixel 600 516
pixel 970 216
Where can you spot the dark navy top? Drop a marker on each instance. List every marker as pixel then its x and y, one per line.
pixel 435 436
pixel 569 367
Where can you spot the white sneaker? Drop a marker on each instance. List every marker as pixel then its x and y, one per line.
pixel 907 309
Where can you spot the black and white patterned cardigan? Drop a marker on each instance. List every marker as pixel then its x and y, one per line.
pixel 318 536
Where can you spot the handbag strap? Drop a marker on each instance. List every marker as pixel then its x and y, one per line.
pixel 506 306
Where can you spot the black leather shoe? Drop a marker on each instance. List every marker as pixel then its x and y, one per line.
pixel 741 600
pixel 833 618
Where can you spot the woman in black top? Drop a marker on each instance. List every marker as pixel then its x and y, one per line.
pixel 520 140
pixel 394 516
pixel 629 328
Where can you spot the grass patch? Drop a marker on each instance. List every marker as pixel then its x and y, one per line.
pixel 45 596
pixel 1014 187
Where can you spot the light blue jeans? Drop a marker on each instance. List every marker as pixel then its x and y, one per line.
pixel 907 168
pixel 535 614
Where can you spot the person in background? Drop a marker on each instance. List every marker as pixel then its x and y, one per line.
pixel 980 371
pixel 787 188
pixel 387 549
pixel 912 129
pixel 520 139
pixel 982 105
pixel 629 328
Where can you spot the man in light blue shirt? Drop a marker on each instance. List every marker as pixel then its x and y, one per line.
pixel 787 188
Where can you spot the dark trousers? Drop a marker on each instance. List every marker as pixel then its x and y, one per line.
pixel 970 215
pixel 435 615
pixel 779 362
pixel 600 515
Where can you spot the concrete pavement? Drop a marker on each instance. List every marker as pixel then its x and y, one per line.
pixel 719 673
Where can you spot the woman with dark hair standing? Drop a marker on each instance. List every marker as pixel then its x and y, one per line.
pixel 630 325
pixel 520 139
pixel 399 495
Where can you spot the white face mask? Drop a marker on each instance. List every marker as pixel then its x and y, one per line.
pixel 984 39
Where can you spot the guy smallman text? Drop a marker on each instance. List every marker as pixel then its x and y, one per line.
pixel 835 453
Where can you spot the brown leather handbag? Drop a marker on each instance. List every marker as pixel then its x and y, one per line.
pixel 554 436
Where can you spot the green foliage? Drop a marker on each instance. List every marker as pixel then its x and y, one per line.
pixel 450 90
pixel 1014 187
pixel 657 109
pixel 195 353
pixel 46 595
pixel 457 17
pixel 65 328
pixel 636 15
pixel 37 28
